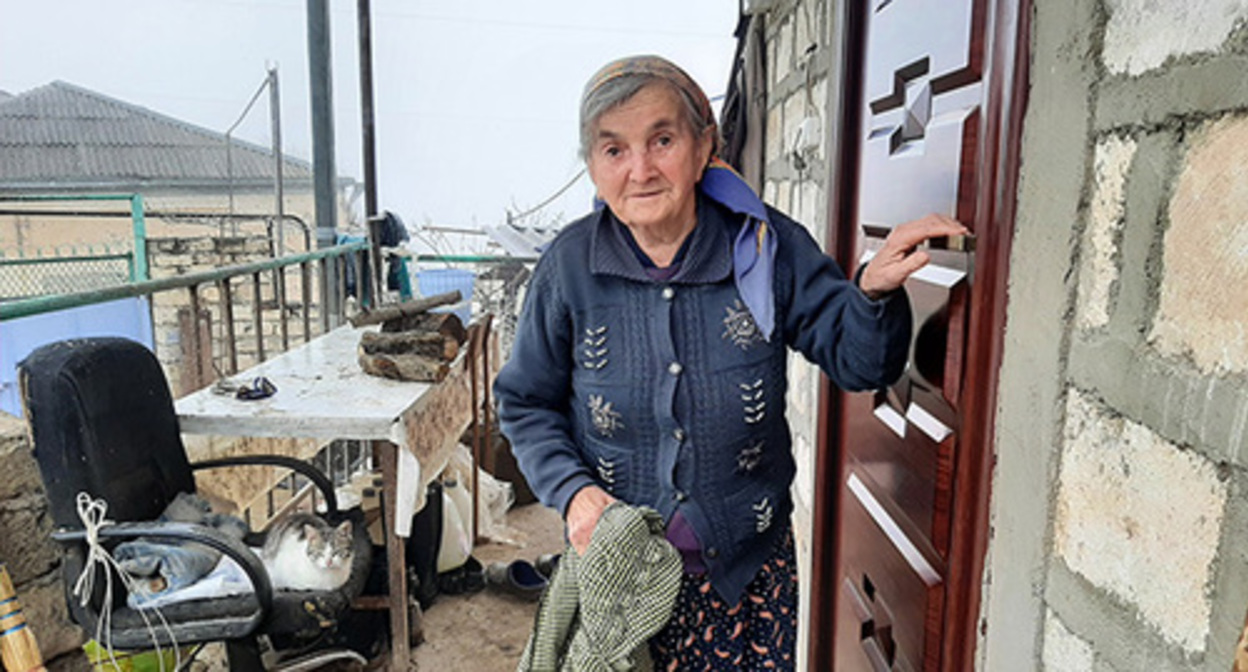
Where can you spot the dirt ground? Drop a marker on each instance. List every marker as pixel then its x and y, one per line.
pixel 486 631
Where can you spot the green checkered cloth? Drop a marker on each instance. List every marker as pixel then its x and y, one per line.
pixel 601 609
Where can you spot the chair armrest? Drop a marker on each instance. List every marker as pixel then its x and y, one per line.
pixel 313 474
pixel 231 547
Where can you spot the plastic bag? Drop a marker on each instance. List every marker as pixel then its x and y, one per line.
pixel 456 546
pixel 497 497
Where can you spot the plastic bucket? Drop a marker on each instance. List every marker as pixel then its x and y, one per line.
pixel 433 281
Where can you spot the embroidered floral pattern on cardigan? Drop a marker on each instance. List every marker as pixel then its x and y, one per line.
pixel 739 326
pixel 606 419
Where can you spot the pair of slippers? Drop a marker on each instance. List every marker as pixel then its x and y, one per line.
pixel 521 578
pixel 467 578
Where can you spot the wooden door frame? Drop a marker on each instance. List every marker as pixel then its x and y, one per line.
pixel 1009 36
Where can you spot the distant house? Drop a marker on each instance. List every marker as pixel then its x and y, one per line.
pixel 64 139
pixel 208 201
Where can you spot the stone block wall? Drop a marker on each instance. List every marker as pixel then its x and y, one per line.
pixel 30 555
pixel 1122 451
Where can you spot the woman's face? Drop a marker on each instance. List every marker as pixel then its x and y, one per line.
pixel 646 161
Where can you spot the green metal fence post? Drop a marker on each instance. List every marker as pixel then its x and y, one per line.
pixel 140 239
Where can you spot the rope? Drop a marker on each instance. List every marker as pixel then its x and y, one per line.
pixel 93 514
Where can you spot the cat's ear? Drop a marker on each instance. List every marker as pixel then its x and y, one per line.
pixel 310 532
pixel 344 530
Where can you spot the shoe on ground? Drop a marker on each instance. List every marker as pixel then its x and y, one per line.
pixel 467 578
pixel 518 577
pixel 546 564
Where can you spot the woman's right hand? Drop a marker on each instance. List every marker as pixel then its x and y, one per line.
pixel 900 256
pixel 583 513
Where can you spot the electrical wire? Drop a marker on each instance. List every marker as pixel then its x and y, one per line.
pixel 562 190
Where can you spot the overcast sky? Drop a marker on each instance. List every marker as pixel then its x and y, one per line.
pixel 475 100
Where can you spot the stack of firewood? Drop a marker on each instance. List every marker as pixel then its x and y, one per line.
pixel 413 344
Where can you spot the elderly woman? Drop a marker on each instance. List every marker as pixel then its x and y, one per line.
pixel 649 365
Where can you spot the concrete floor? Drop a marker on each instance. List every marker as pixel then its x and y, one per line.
pixel 486 631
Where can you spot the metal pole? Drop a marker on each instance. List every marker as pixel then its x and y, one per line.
pixel 323 170
pixel 364 27
pixel 229 171
pixel 366 108
pixel 275 114
pixel 279 275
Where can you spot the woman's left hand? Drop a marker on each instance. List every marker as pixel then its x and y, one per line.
pixel 583 513
pixel 900 256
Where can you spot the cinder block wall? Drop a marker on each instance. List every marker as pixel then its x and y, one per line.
pixel 175 256
pixel 1122 462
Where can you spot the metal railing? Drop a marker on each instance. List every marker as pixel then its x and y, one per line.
pixel 223 280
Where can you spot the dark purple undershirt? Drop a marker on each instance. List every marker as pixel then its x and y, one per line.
pixel 680 533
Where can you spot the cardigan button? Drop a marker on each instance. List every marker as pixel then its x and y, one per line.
pixel 678 434
pixel 712 553
pixel 680 496
pixel 669 293
pixel 675 368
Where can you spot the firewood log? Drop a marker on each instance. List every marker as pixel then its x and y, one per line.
pixel 412 307
pixel 432 345
pixel 447 324
pixel 404 367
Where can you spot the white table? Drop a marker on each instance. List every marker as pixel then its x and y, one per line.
pixel 322 393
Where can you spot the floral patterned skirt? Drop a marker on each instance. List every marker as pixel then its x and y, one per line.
pixel 757 633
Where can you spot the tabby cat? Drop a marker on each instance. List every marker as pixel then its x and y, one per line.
pixel 302 552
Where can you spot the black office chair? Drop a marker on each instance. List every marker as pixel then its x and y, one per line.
pixel 103 422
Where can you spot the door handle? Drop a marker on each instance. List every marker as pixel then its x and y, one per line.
pixel 958 242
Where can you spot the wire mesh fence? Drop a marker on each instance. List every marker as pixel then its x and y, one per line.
pixel 44 276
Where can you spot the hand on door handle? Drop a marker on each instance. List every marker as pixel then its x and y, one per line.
pixel 902 255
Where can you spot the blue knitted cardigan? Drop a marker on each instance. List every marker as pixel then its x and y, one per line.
pixel 666 394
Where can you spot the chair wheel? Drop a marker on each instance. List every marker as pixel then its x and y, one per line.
pixel 333 660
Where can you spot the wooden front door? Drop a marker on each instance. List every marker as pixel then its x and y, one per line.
pixel 912 477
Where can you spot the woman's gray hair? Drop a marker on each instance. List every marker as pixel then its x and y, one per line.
pixel 600 99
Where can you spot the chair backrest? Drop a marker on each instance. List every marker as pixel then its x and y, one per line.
pixel 102 421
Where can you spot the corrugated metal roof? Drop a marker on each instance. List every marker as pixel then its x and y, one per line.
pixel 64 134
